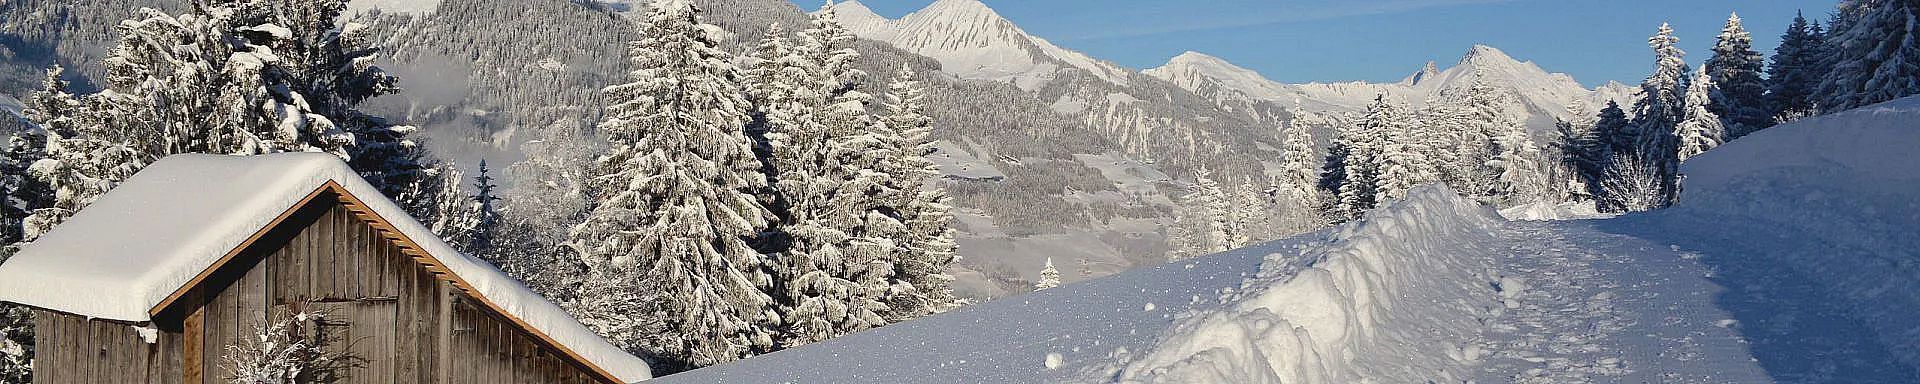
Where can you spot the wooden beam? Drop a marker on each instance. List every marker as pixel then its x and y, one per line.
pixel 194 341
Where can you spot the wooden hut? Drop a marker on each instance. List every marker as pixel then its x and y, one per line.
pixel 155 281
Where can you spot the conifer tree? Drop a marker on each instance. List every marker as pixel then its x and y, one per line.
pixel 672 275
pixel 455 215
pixel 1700 129
pixel 1300 165
pixel 1614 139
pixel 1441 122
pixel 1214 227
pixel 486 221
pixel 1049 277
pixel 1520 179
pixel 1486 119
pixel 1873 54
pixel 1368 139
pixel 1739 93
pixel 1300 174
pixel 1794 74
pixel 1405 154
pixel 1659 111
pixel 1333 174
pixel 835 268
pixel 1580 150
pixel 921 283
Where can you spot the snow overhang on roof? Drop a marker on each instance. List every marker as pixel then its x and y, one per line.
pixel 129 253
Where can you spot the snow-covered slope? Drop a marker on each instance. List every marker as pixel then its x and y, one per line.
pixel 1544 95
pixel 1791 258
pixel 972 41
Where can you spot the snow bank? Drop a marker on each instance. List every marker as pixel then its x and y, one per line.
pixel 1544 211
pixel 1832 200
pixel 152 234
pixel 1384 301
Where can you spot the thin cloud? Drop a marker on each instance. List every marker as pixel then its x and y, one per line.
pixel 1286 13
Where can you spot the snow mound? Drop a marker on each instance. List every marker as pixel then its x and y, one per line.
pixel 1407 266
pixel 1831 201
pixel 1544 211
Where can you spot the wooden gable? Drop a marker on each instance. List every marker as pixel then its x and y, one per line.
pixel 393 307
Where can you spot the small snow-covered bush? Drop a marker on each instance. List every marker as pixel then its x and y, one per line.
pixel 287 351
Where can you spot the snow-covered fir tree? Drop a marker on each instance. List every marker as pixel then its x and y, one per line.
pixel 1358 150
pixel 234 77
pixel 1659 111
pixel 1739 92
pixel 16 342
pixel 921 283
pixel 1442 122
pixel 1252 213
pixel 835 269
pixel 1297 195
pixel 1872 53
pixel 484 241
pixel 1300 167
pixel 455 215
pixel 1333 175
pixel 1208 218
pixel 1485 107
pixel 1580 152
pixel 1795 72
pixel 1614 138
pixel 781 83
pixel 1700 129
pixel 1049 277
pixel 671 273
pixel 1520 179
pixel 549 195
pixel 1615 131
pixel 1404 157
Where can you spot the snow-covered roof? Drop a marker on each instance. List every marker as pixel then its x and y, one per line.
pixel 155 233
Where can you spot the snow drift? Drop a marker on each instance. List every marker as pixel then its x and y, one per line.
pixel 1830 203
pixel 1384 300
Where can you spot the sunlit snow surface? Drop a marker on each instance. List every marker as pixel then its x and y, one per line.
pixel 1791 258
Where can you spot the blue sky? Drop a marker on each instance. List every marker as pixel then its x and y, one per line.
pixel 1384 40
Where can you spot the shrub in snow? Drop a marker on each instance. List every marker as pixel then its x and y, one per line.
pixel 289 350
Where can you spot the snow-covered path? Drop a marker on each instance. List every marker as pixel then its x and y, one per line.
pixel 1601 307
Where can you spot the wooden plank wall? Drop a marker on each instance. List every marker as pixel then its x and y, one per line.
pixel 397 321
pixel 75 350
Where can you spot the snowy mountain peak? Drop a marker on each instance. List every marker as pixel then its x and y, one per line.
pixel 973 41
pixel 1543 95
pixel 857 17
pixel 1484 53
pixel 974 8
pixel 1204 73
pixel 1426 72
pixel 1191 58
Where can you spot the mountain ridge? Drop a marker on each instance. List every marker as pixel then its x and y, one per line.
pixel 1544 95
